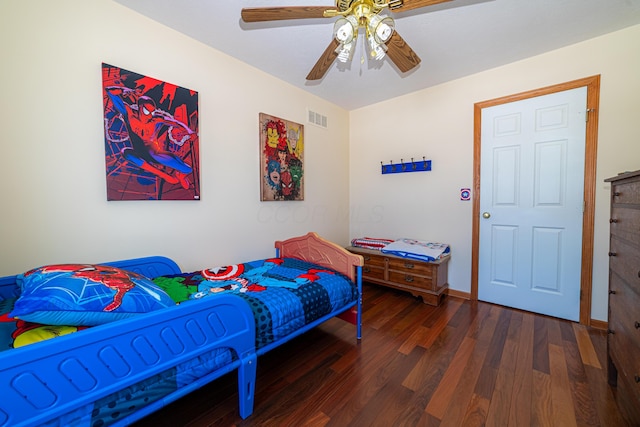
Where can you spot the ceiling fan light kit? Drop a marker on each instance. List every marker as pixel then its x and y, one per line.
pixel 380 32
pixel 381 27
pixel 345 29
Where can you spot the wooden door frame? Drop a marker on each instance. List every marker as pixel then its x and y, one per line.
pixel 591 144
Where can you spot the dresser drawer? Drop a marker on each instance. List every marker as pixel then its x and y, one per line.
pixel 624 326
pixel 411 267
pixel 624 353
pixel 624 350
pixel 624 309
pixel 625 193
pixel 625 222
pixel 624 260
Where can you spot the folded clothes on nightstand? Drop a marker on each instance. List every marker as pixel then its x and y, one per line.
pixel 370 243
pixel 417 249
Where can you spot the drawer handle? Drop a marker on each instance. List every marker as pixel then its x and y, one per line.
pixel 408 265
pixel 637 378
pixel 616 194
pixel 613 254
pixel 636 324
pixel 638 273
pixel 613 220
pixel 366 269
pixel 408 279
pixel 611 332
pixel 612 292
pixel 367 258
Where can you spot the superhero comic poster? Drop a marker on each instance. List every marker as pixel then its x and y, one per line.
pixel 281 159
pixel 150 137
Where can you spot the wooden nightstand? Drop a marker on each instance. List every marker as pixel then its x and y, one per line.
pixel 424 279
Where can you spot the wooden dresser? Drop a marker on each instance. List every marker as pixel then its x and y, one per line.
pixel 623 339
pixel 424 279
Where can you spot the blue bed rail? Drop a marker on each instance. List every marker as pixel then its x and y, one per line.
pixel 54 378
pixel 50 380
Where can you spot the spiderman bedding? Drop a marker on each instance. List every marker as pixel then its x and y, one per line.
pixel 284 293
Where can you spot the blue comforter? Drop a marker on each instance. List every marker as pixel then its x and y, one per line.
pixel 283 293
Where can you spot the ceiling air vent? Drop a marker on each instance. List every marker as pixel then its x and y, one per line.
pixel 317 119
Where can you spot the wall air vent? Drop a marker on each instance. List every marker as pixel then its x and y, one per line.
pixel 317 119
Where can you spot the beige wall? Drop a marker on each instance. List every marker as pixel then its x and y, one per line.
pixel 438 123
pixel 52 183
pixel 52 174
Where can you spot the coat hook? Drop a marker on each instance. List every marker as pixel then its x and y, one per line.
pixel 403 166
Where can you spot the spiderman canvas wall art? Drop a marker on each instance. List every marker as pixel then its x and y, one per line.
pixel 151 137
pixel 281 159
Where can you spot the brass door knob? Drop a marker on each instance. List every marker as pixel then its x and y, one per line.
pixel 486 215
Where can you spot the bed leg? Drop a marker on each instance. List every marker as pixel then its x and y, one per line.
pixel 247 384
pixel 359 313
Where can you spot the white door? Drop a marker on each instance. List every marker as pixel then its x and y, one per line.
pixel 532 202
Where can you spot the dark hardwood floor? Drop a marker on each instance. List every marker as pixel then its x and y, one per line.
pixel 461 364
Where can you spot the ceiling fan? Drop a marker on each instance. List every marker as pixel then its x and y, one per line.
pixel 379 30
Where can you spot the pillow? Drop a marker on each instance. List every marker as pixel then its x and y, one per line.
pixel 30 333
pixel 16 333
pixel 85 295
pixel 7 324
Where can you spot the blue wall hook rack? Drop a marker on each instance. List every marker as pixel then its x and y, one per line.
pixel 412 166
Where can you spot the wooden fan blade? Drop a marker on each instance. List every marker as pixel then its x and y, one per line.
pixel 260 14
pixel 320 69
pixel 401 54
pixel 415 4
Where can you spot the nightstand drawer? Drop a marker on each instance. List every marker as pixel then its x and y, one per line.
pixel 374 260
pixel 409 279
pixel 410 266
pixel 372 272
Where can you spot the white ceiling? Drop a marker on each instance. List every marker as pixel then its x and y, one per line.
pixel 454 39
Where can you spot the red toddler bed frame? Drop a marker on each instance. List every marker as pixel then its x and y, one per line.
pixel 56 381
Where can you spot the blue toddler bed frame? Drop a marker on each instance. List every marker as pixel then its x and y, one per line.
pixel 42 383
